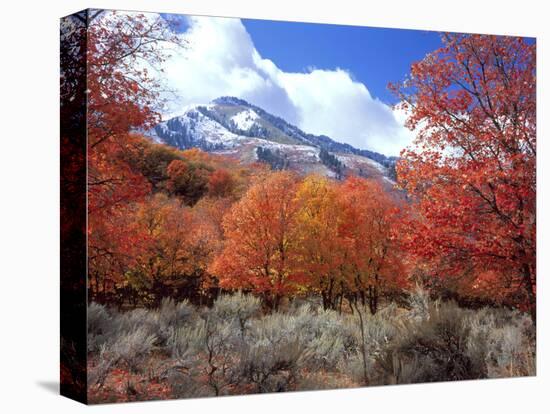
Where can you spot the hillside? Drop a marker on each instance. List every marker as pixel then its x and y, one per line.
pixel 236 128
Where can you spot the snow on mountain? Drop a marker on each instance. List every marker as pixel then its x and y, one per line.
pixel 244 120
pixel 233 127
pixel 353 159
pixel 193 128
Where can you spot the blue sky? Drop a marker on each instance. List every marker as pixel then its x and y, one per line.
pixel 374 56
pixel 325 79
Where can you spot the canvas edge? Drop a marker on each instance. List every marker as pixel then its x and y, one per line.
pixel 73 206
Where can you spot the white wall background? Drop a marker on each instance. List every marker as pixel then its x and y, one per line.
pixel 29 222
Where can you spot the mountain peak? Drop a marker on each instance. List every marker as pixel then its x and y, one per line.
pixel 232 126
pixel 230 100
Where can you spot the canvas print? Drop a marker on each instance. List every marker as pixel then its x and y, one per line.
pixel 252 206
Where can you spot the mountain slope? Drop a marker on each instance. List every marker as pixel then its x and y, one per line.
pixel 234 127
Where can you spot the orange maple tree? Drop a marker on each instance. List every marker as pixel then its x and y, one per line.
pixel 261 241
pixel 373 261
pixel 322 254
pixel 290 236
pixel 471 173
pixel 220 183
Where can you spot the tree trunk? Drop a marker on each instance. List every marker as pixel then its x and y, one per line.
pixel 363 346
pixel 530 288
pixel 276 302
pixel 373 299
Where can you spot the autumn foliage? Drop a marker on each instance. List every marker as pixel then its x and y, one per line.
pixel 189 225
pixel 260 253
pixel 289 236
pixel 471 173
pixel 208 276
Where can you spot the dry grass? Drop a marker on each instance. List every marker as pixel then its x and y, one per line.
pixel 179 351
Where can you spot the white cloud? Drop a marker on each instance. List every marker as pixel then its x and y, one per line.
pixel 222 60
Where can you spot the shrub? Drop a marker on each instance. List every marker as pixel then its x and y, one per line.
pixel 511 347
pixel 130 321
pixel 237 308
pixel 206 350
pixel 420 303
pixel 221 346
pixel 184 342
pixel 315 303
pixel 272 369
pixel 171 313
pixel 99 319
pixel 232 348
pixel 128 350
pixel 159 322
pixel 329 337
pixel 274 352
pixel 436 348
pixel 281 347
pixel 184 345
pixel 169 317
pixel 374 334
pixel 97 373
pixel 100 326
pixel 186 384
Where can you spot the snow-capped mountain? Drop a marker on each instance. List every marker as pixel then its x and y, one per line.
pixel 234 127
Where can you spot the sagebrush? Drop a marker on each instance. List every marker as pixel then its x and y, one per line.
pixel 233 347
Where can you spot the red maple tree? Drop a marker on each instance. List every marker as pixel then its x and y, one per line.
pixel 471 172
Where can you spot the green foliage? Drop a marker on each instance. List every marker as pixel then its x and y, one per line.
pixel 275 159
pixel 153 163
pixel 332 162
pixel 189 181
